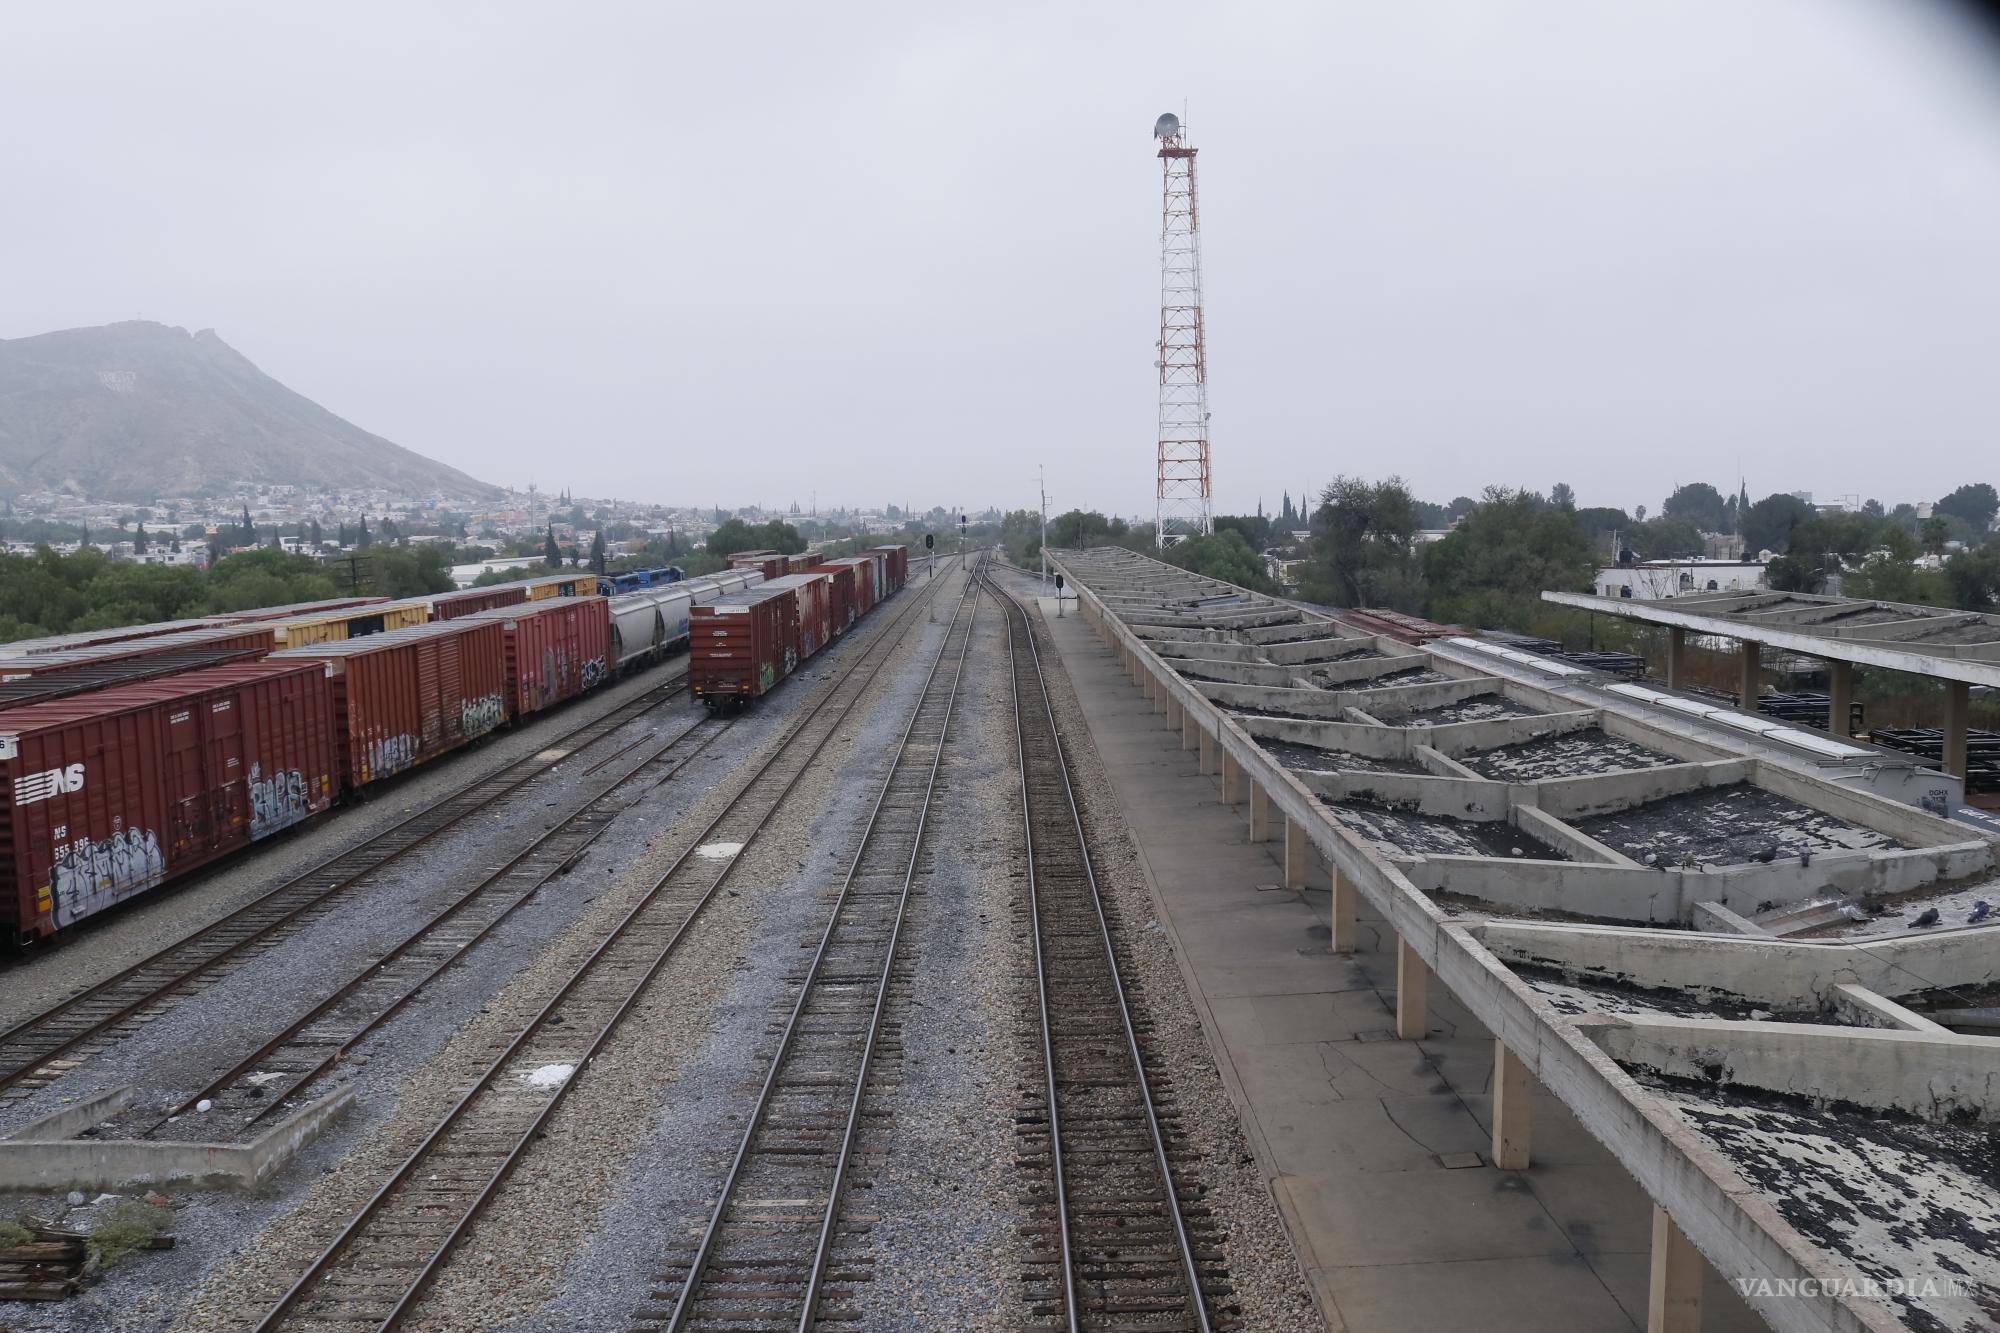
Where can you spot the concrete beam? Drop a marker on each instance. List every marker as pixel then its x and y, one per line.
pixel 1413 992
pixel 1512 1108
pixel 1673 1297
pixel 1296 851
pixel 1346 912
pixel 1840 689
pixel 1676 656
pixel 31 1162
pixel 1749 674
pixel 1939 663
pixel 1957 714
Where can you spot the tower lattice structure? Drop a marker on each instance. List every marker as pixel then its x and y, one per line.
pixel 1183 482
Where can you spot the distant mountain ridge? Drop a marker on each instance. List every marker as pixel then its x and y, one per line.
pixel 138 410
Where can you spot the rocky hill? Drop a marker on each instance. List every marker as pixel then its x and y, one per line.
pixel 139 410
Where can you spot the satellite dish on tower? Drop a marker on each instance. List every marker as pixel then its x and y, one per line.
pixel 1167 126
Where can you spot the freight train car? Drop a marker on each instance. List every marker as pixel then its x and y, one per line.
pixel 85 677
pixel 767 564
pixel 62 643
pixel 895 567
pixel 815 594
pixel 451 605
pixel 635 580
pixel 555 649
pixel 803 561
pixel 581 583
pixel 353 623
pixel 257 639
pixel 300 610
pixel 742 645
pixel 105 795
pixel 843 595
pixel 406 696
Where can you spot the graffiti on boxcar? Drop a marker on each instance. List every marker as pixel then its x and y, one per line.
pixel 555 671
pixel 391 755
pixel 91 874
pixel 277 801
pixel 593 672
pixel 480 716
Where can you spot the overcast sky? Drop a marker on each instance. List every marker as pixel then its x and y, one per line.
pixel 731 253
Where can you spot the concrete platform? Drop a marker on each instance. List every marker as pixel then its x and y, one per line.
pixel 1378 1151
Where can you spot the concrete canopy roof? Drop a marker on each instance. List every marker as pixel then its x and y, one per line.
pixel 1923 640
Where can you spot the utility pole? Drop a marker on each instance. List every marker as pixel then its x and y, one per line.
pixel 1043 473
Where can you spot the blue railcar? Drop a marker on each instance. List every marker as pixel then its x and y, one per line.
pixel 634 580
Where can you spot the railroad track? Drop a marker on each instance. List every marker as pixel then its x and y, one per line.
pixel 1117 1245
pixel 270 1079
pixel 382 1262
pixel 761 1260
pixel 39 1050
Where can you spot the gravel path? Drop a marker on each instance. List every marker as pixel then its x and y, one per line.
pixel 1270 1289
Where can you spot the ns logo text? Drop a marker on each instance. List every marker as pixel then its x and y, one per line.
pixel 32 787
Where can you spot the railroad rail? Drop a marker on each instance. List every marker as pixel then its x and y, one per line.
pixel 38 1050
pixel 389 1253
pixel 761 1260
pixel 269 1079
pixel 1120 1246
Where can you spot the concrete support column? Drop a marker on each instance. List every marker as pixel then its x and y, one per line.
pixel 1146 686
pixel 1260 813
pixel 1673 1299
pixel 1750 675
pixel 1188 728
pixel 1413 992
pixel 1232 777
pixel 1175 713
pixel 1208 749
pixel 1676 656
pixel 1957 710
pixel 1296 850
pixel 1346 913
pixel 1840 688
pixel 1511 1108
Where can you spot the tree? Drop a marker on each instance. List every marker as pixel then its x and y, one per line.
pixel 361 534
pixel 597 552
pixel 411 572
pixel 1364 545
pixel 551 553
pixel 1973 504
pixel 1698 503
pixel 249 529
pixel 1665 539
pixel 312 533
pixel 139 540
pixel 1793 573
pixel 1873 508
pixel 1225 555
pixel 1769 523
pixel 1561 496
pixel 1934 533
pixel 1974 578
pixel 1255 529
pixel 1493 567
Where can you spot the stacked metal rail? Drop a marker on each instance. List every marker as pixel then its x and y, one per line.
pixel 38 1050
pixel 387 1256
pixel 1125 1249
pixel 761 1260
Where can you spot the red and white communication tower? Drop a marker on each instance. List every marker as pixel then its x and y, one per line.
pixel 1183 483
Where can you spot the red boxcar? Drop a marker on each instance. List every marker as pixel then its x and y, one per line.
pixel 846 603
pixel 556 649
pixel 108 794
pixel 742 645
pixel 815 593
pixel 451 605
pixel 803 561
pixel 407 695
pixel 250 638
pixel 324 607
pixel 770 564
pixel 867 582
pixel 84 677
pixel 59 643
pixel 896 566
